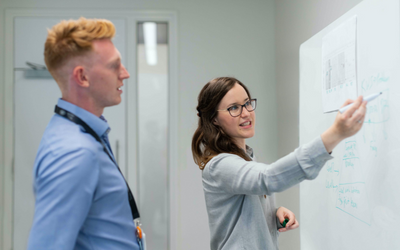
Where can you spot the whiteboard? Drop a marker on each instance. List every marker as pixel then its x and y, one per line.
pixel 354 203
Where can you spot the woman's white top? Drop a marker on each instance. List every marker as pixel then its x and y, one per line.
pixel 239 215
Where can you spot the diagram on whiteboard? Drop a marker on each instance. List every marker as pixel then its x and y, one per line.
pixel 348 175
pixel 339 65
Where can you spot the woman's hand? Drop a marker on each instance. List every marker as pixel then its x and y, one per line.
pixel 346 124
pixel 282 213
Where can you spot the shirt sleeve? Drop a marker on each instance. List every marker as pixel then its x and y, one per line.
pixel 65 186
pixel 234 175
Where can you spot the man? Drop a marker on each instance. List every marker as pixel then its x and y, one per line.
pixel 81 197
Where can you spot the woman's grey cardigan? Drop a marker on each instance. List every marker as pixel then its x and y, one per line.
pixel 239 215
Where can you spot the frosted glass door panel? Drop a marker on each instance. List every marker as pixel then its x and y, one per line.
pixel 153 138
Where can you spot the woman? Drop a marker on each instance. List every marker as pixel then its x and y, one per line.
pixel 238 190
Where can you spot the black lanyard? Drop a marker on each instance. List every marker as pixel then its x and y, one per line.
pixel 73 118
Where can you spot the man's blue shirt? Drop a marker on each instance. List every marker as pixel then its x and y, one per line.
pixel 81 197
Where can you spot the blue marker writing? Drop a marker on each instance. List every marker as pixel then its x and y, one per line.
pixel 368 98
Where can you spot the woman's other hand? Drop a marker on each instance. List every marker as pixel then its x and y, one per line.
pixel 346 124
pixel 282 213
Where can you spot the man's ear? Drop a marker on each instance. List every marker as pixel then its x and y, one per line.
pixel 80 76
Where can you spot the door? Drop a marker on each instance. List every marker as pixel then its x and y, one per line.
pixel 153 116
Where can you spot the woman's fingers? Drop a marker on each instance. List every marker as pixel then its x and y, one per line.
pixel 345 125
pixel 351 121
pixel 359 115
pixel 295 224
pixel 284 213
pixel 350 111
pixel 292 220
pixel 357 120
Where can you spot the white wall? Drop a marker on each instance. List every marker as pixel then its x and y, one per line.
pixel 296 21
pixel 215 38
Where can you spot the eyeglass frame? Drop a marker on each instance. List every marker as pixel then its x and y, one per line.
pixel 241 106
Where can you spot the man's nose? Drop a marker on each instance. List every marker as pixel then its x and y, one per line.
pixel 124 73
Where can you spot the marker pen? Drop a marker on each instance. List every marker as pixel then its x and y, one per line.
pixel 368 99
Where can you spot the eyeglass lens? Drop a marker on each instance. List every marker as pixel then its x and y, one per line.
pixel 237 109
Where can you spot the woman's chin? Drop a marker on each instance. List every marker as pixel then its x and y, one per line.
pixel 249 135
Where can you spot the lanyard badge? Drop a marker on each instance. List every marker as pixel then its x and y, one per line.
pixel 140 235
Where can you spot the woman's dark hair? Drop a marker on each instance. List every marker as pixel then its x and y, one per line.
pixel 209 139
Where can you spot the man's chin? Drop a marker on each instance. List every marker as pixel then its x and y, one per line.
pixel 111 104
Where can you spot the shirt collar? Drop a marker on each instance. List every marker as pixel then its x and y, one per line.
pixel 99 126
pixel 249 151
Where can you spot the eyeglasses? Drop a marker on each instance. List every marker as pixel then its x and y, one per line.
pixel 237 109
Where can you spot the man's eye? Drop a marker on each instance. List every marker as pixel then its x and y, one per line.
pixel 115 65
pixel 233 108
